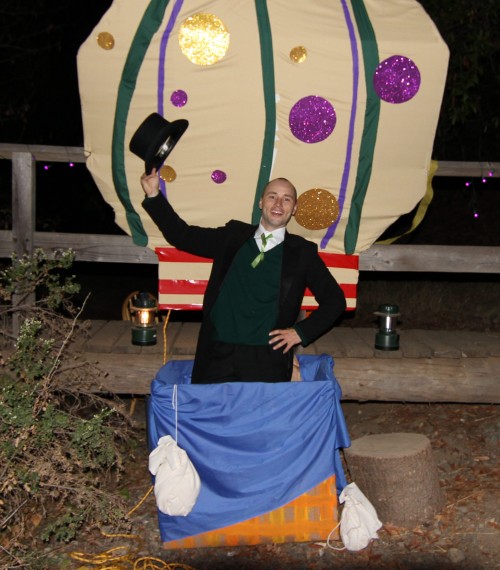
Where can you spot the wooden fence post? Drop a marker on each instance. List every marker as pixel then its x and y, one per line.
pixel 23 217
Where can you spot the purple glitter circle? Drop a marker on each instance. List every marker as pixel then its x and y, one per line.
pixel 219 176
pixel 396 79
pixel 312 119
pixel 179 98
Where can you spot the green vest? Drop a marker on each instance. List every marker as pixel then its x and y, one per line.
pixel 247 306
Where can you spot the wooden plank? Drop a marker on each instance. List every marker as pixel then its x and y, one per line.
pixel 44 153
pixel 51 153
pixel 90 329
pixel 333 343
pixel 448 377
pixel 340 342
pixel 367 344
pixel 346 342
pixel 123 343
pixel 87 247
pixel 23 220
pixel 186 340
pixel 474 344
pixel 464 169
pixel 97 248
pixel 125 373
pixel 431 258
pixel 393 258
pixel 107 336
pixel 155 351
pixel 412 347
pixel 309 349
pixel 23 203
pixel 466 380
pixel 438 342
pixel 172 332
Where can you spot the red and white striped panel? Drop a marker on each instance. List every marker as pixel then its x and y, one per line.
pixel 182 279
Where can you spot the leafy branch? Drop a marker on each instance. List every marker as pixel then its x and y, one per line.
pixel 59 439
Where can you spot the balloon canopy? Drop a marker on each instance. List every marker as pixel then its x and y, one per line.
pixel 342 98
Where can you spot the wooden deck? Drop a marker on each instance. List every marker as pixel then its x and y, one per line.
pixel 430 366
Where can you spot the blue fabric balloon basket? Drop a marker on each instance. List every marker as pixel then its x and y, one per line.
pixel 257 446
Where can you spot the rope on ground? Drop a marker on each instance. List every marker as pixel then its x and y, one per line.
pixel 148 492
pixel 151 564
pixel 125 557
pixel 167 318
pixel 116 558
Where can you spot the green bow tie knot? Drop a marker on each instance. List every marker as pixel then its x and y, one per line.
pixel 260 256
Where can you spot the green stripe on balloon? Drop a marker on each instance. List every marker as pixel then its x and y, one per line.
pixel 369 137
pixel 267 60
pixel 150 23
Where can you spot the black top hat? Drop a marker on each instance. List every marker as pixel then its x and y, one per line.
pixel 155 139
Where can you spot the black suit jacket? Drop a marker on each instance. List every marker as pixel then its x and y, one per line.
pixel 302 268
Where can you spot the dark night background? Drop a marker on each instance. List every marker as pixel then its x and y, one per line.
pixel 39 104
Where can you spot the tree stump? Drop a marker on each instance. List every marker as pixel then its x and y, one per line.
pixel 397 473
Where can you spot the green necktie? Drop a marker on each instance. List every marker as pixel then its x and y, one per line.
pixel 260 256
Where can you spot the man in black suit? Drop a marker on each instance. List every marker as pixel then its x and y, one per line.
pixel 254 294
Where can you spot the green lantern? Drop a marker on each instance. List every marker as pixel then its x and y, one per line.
pixel 143 308
pixel 387 338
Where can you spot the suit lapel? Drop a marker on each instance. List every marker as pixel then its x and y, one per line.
pixel 236 241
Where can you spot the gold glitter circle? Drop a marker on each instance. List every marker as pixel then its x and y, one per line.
pixel 204 39
pixel 298 54
pixel 106 40
pixel 317 209
pixel 167 173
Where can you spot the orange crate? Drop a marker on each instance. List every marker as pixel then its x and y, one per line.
pixel 310 517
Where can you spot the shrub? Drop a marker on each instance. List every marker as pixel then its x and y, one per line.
pixel 60 442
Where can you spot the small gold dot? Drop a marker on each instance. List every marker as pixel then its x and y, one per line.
pixel 167 173
pixel 106 40
pixel 298 54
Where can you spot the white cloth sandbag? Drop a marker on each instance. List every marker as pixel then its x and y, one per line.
pixel 359 522
pixel 177 483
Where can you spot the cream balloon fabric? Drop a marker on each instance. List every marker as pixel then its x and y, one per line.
pixel 341 98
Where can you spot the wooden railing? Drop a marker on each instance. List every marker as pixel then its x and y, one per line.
pixel 23 238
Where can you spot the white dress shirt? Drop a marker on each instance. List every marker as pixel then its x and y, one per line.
pixel 278 237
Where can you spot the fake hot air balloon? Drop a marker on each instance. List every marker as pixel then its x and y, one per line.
pixel 342 98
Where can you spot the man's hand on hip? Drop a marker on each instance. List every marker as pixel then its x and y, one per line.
pixel 284 338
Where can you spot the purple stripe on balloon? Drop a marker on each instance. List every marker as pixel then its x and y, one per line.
pixel 161 66
pixel 347 164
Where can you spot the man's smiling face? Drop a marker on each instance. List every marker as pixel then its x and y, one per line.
pixel 278 204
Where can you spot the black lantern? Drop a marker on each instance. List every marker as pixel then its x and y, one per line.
pixel 143 307
pixel 387 338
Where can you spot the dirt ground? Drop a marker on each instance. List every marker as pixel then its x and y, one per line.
pixel 465 534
